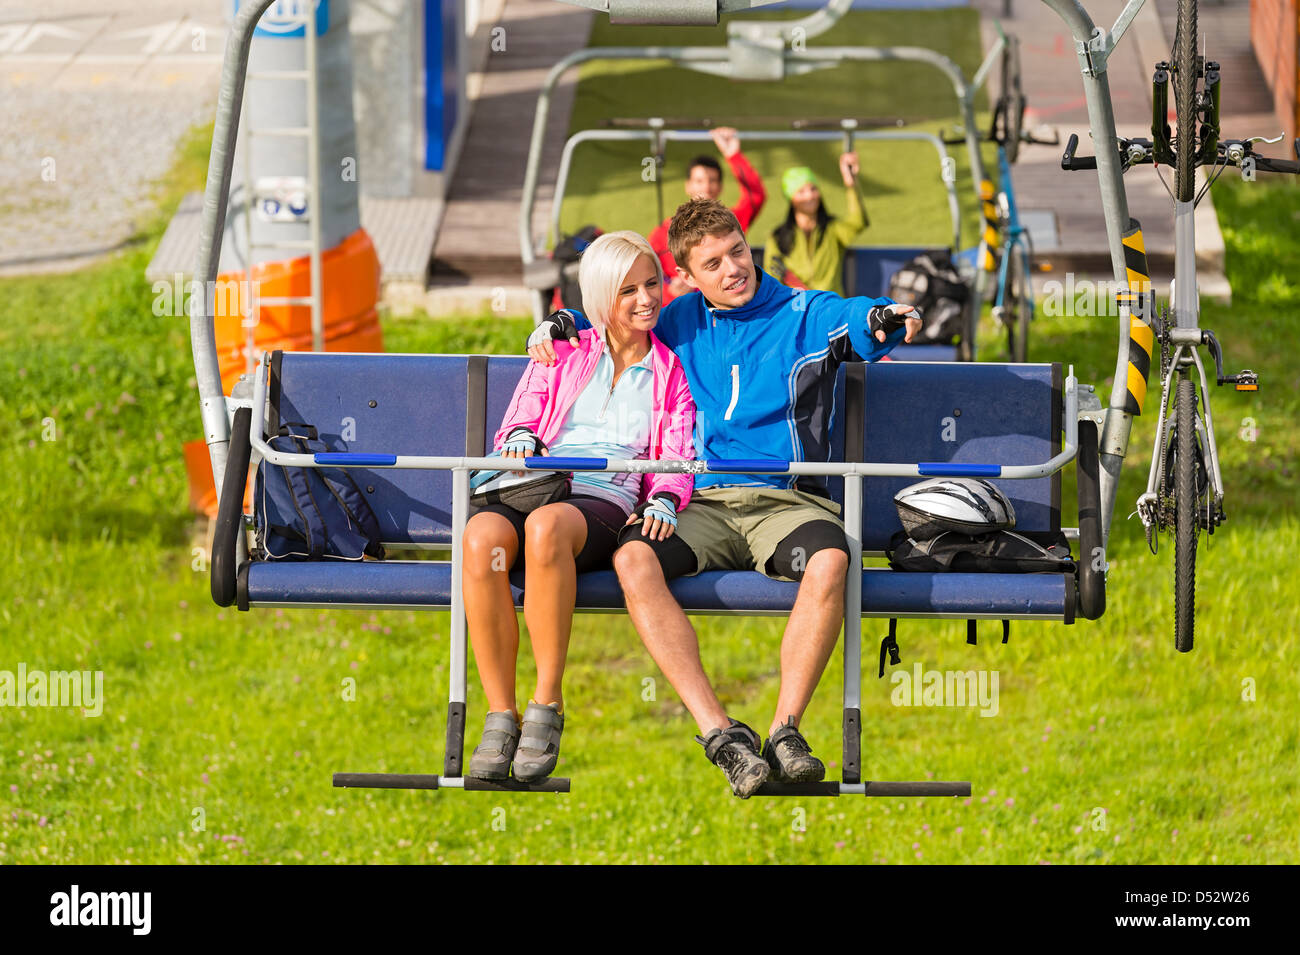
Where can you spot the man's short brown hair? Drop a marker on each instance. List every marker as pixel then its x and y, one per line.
pixel 693 221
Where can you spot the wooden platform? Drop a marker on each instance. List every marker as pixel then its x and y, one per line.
pixel 478 242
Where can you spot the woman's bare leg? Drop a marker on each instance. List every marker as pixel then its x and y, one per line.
pixel 553 536
pixel 490 548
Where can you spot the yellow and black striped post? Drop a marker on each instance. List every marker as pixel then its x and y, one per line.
pixel 1138 300
pixel 989 211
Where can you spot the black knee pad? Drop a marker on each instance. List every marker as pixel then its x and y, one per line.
pixel 675 558
pixel 796 549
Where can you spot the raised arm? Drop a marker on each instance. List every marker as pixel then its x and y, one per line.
pixel 752 193
pixel 854 220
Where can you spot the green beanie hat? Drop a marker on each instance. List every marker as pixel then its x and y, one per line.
pixel 795 179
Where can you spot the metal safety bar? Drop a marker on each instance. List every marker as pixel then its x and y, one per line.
pixel 655 135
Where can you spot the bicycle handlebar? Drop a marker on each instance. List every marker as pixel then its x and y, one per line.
pixel 1138 152
pixel 1068 160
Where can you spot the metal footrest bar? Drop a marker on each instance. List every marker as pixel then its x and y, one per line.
pixel 882 788
pixel 555 784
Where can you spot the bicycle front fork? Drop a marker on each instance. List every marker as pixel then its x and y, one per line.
pixel 1155 506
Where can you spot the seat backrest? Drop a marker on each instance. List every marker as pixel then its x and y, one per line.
pixel 385 404
pixel 974 413
pixel 867 271
pixel 425 404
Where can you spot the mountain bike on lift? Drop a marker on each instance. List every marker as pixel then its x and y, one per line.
pixel 1185 487
pixel 1007 240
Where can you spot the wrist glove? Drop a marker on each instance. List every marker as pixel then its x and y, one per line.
pixel 889 318
pixel 559 326
pixel 521 440
pixel 661 506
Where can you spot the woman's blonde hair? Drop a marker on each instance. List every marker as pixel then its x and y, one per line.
pixel 604 266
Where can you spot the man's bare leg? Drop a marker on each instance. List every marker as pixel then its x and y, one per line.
pixel 666 632
pixel 811 633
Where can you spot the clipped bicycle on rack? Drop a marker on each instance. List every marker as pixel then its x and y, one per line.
pixel 1185 490
pixel 1008 243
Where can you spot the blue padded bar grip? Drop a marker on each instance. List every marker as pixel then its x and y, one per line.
pixel 568 464
pixel 953 469
pixel 348 457
pixel 744 465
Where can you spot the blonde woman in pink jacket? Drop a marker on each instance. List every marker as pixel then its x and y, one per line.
pixel 619 394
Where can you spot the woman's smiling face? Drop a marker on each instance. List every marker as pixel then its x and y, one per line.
pixel 636 303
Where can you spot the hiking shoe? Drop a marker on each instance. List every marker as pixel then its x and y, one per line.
pixel 491 758
pixel 539 747
pixel 735 751
pixel 792 761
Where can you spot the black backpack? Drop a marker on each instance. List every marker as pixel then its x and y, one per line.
pixel 327 515
pixel 999 552
pixel 932 283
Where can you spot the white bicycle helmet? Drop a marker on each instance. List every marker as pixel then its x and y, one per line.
pixel 965 505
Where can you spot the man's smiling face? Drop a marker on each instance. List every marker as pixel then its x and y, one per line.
pixel 722 268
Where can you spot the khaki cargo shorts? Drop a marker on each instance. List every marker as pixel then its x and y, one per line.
pixel 739 528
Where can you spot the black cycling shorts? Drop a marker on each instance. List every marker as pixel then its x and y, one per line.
pixel 604 521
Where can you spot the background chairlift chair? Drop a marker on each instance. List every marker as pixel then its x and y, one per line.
pixel 867 269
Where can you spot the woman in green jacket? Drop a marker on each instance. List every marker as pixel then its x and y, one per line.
pixel 807 250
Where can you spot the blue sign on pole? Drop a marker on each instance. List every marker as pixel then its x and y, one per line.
pixel 285 18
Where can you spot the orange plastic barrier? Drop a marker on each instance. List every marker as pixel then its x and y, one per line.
pixel 350 321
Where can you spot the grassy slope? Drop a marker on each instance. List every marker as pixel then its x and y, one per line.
pixel 241 715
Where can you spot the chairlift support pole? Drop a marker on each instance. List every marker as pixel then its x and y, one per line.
pixel 1093 46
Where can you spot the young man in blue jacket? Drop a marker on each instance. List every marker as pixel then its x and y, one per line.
pixel 761 359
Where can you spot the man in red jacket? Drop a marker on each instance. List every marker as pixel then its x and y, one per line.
pixel 704 181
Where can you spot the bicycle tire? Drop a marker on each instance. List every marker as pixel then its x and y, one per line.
pixel 1025 312
pixel 1185 515
pixel 1185 100
pixel 1016 309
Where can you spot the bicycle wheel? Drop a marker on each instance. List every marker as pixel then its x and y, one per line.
pixel 1016 307
pixel 1185 515
pixel 1185 100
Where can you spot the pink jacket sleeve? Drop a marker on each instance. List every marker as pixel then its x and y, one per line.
pixel 529 402
pixel 676 429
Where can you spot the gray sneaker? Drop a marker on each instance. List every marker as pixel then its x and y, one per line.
pixel 491 759
pixel 734 750
pixel 539 747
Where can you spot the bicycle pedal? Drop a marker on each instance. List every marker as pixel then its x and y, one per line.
pixel 1246 381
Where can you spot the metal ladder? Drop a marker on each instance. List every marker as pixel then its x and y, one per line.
pixel 305 15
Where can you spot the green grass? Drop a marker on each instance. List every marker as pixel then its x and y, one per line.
pixel 901 181
pixel 243 716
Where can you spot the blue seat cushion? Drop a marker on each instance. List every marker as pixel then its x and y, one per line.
pixel 426 584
